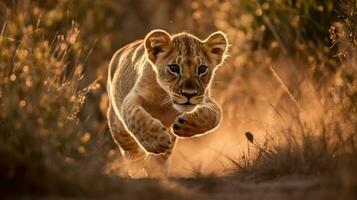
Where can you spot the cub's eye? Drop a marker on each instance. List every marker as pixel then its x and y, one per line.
pixel 175 69
pixel 202 69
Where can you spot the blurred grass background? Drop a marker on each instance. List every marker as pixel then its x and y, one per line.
pixel 290 79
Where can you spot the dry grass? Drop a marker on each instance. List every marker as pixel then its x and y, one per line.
pixel 44 148
pixel 327 142
pixel 318 141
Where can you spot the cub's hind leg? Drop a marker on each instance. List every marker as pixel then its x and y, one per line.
pixel 133 158
pixel 122 138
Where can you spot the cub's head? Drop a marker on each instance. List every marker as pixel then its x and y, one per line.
pixel 185 65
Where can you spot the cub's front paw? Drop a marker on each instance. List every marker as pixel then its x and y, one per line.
pixel 157 139
pixel 187 125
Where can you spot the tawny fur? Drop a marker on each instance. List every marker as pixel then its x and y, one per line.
pixel 150 105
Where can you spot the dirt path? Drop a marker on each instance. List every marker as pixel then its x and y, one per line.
pixel 289 188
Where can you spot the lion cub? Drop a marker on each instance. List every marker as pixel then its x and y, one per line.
pixel 158 89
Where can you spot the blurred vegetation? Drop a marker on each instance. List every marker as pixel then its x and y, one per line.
pixel 323 146
pixel 53 64
pixel 45 148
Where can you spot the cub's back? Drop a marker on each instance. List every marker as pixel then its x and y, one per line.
pixel 124 70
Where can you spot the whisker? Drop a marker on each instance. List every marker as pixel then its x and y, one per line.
pixel 175 95
pixel 165 101
pixel 198 97
pixel 210 106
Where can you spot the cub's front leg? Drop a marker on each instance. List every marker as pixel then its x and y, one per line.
pixel 151 134
pixel 205 118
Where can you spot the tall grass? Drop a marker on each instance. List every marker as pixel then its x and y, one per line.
pixel 318 141
pixel 44 147
pixel 42 144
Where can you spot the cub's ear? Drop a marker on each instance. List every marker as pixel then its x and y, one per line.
pixel 216 46
pixel 157 44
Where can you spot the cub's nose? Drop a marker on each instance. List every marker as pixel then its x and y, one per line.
pixel 188 92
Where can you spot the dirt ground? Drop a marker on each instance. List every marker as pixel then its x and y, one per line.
pixel 292 188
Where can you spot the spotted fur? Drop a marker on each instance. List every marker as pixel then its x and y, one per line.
pixel 152 103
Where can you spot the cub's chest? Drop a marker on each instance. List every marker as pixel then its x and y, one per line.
pixel 165 113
